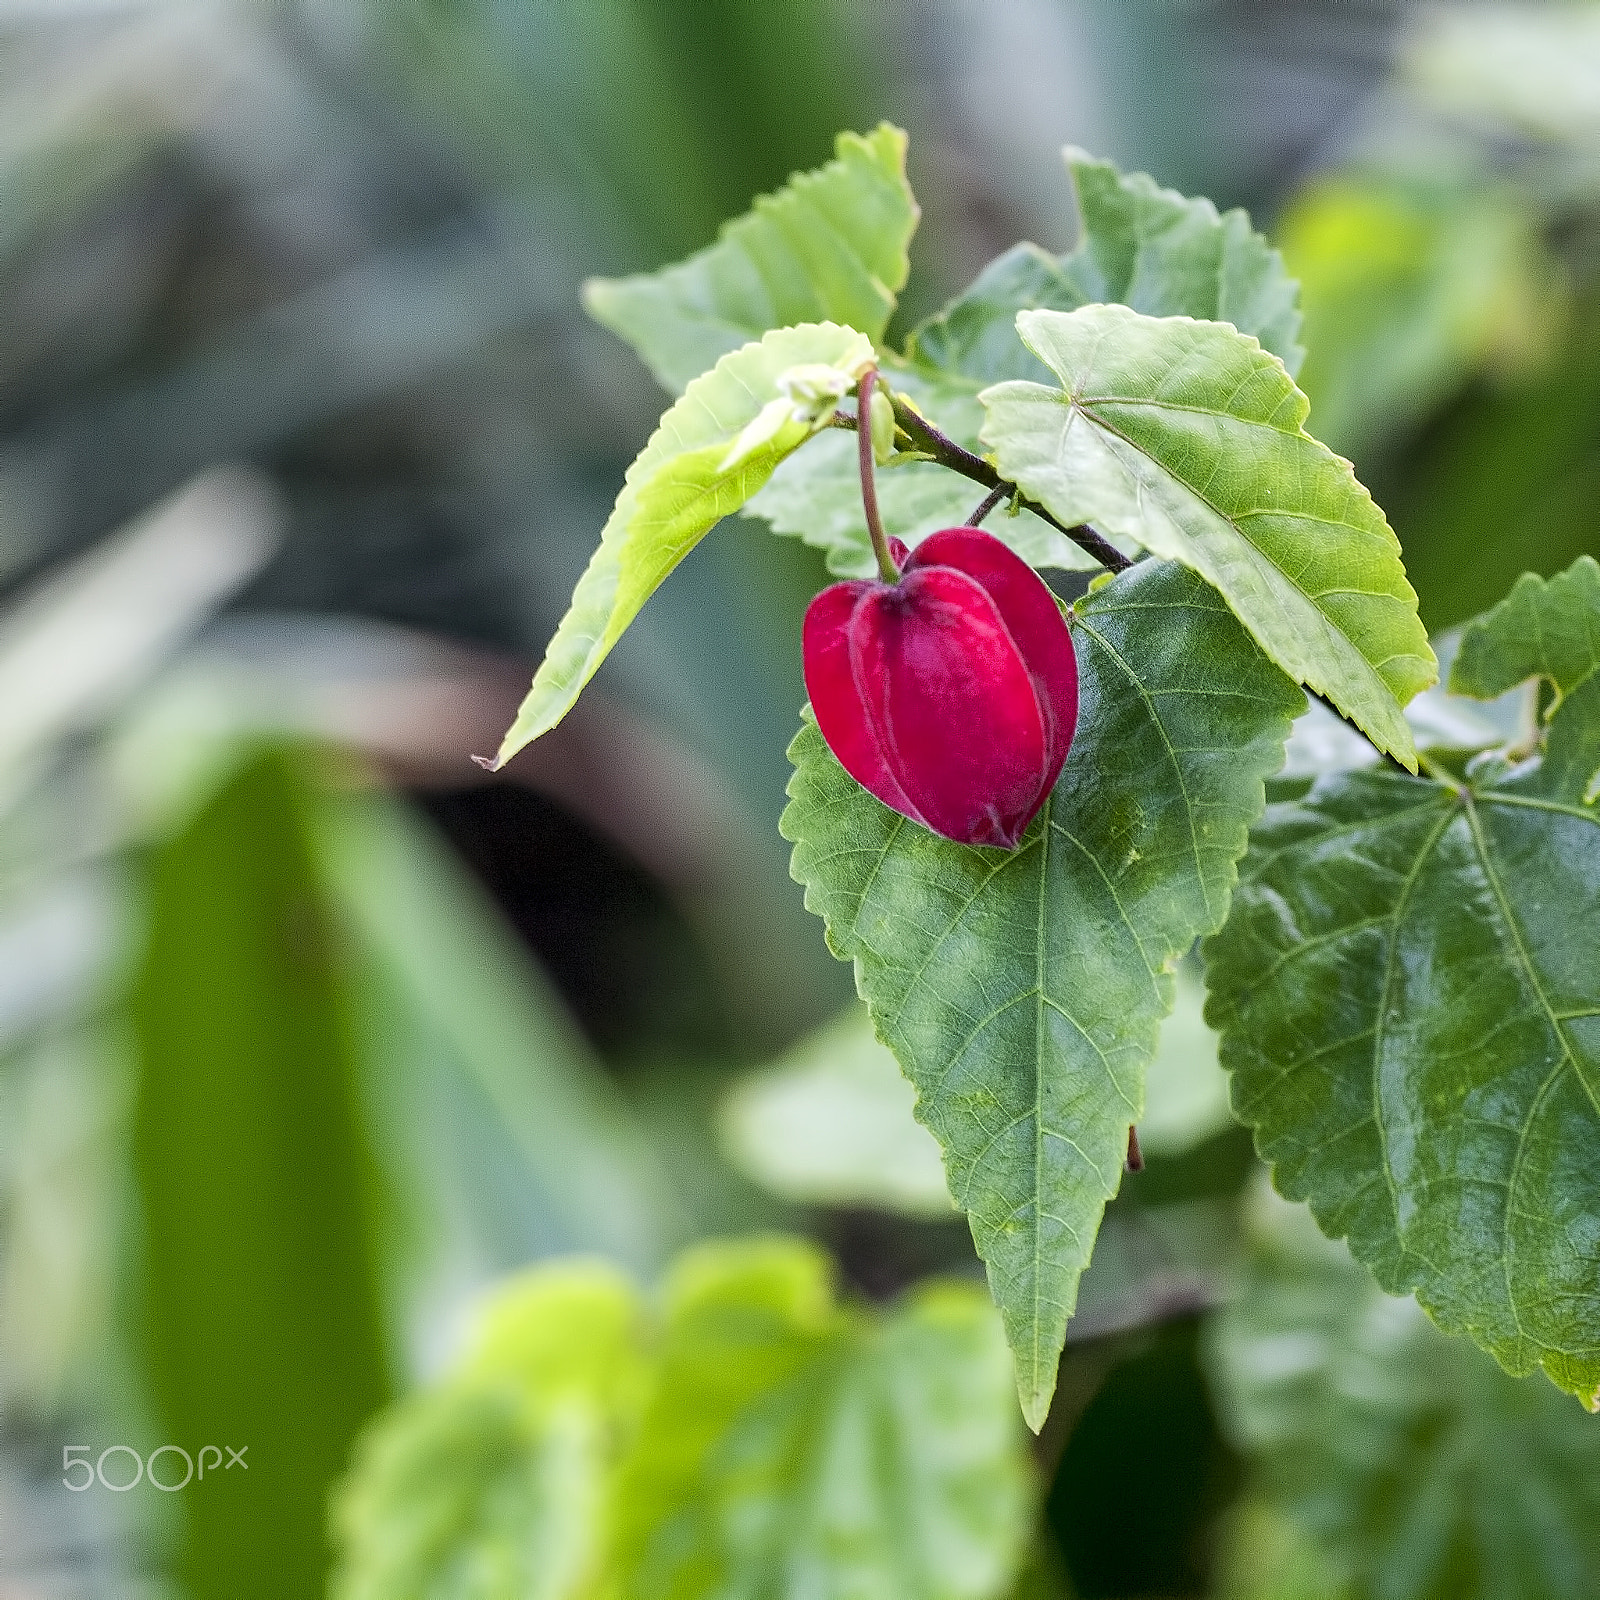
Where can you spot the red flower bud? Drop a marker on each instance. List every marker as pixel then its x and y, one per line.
pixel 952 695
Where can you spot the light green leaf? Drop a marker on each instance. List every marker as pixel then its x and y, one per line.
pixel 699 465
pixel 795 1448
pixel 1187 437
pixel 1408 993
pixel 1140 246
pixel 833 1123
pixel 830 246
pixel 498 1483
pixel 1022 991
pixel 1416 1469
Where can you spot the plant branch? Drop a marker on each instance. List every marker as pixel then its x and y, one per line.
pixel 887 569
pixel 948 453
pixel 1001 491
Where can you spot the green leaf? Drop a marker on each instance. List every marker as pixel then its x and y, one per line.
pixel 1140 246
pixel 261 1316
pixel 1022 991
pixel 830 246
pixel 1148 247
pixel 753 1437
pixel 1408 993
pixel 1187 437
pixel 1416 1469
pixel 1546 629
pixel 796 1448
pixel 499 1482
pixel 715 447
pixel 833 1123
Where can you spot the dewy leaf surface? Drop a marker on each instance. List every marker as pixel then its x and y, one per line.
pixel 1022 991
pixel 830 246
pixel 1139 244
pixel 714 448
pixel 1187 437
pixel 797 1448
pixel 1420 1470
pixel 1408 993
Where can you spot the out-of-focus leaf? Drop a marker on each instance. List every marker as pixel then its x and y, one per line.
pixel 1189 438
pixel 1407 291
pixel 715 447
pixel 1141 245
pixel 830 246
pixel 796 1448
pixel 1022 990
pixel 1185 1089
pixel 261 1303
pixel 1408 992
pixel 1416 1468
pixel 834 1123
pixel 497 1484
pixel 755 1437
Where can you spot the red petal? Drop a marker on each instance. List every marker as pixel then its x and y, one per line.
pixel 1031 615
pixel 951 704
pixel 835 700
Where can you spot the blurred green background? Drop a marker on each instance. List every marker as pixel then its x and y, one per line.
pixel 308 1029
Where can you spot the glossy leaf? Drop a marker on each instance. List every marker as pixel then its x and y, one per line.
pixel 1188 438
pixel 1139 244
pixel 830 246
pixel 715 447
pixel 1408 992
pixel 833 1123
pixel 1022 991
pixel 795 1448
pixel 1415 1468
pixel 498 1483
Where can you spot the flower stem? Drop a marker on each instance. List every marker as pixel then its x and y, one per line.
pixel 869 489
pixel 948 453
pixel 1001 491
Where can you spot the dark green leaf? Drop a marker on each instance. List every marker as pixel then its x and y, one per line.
pixel 828 247
pixel 1022 991
pixel 1408 992
pixel 1188 438
pixel 1416 1468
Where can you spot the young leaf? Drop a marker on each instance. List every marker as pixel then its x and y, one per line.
pixel 1418 1470
pixel 1022 991
pixel 715 447
pixel 1152 249
pixel 1188 437
pixel 1408 992
pixel 499 1481
pixel 830 246
pixel 796 1448
pixel 1140 246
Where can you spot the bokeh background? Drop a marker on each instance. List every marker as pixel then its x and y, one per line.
pixel 308 1029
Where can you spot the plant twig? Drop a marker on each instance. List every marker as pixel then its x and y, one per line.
pixel 1135 1154
pixel 948 453
pixel 1001 491
pixel 887 569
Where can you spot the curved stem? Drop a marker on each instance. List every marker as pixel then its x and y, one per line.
pixel 948 453
pixel 869 489
pixel 1001 491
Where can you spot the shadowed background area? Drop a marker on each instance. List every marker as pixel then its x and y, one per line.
pixel 308 1028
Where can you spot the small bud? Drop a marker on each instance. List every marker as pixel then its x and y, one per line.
pixel 951 694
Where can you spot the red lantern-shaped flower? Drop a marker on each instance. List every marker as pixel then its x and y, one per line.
pixel 951 694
